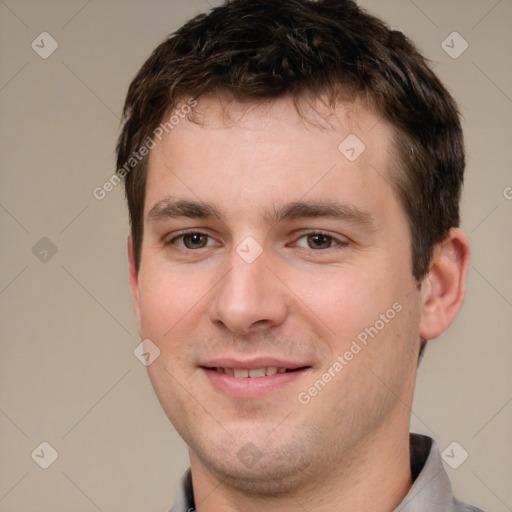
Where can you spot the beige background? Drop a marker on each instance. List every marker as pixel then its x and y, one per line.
pixel 68 375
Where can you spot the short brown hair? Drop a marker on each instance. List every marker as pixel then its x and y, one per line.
pixel 257 50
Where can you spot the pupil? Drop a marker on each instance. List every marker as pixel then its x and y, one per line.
pixel 319 241
pixel 195 240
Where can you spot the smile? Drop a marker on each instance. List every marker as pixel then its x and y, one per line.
pixel 255 379
pixel 245 373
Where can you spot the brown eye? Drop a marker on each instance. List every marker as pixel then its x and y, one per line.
pixel 192 241
pixel 195 241
pixel 319 241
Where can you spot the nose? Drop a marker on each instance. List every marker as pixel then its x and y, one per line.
pixel 250 298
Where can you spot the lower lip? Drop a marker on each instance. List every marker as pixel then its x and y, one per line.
pixel 251 387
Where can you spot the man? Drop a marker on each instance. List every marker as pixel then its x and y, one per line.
pixel 293 173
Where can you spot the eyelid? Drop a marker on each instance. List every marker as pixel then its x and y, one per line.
pixel 338 239
pixel 171 239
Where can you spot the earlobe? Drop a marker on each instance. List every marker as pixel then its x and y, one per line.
pixel 444 287
pixel 134 281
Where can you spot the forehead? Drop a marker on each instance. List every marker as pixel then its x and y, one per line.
pixel 225 149
pixel 312 115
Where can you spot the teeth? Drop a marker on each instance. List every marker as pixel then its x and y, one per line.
pixel 255 373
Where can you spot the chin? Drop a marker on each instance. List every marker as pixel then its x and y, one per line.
pixel 267 480
pixel 277 472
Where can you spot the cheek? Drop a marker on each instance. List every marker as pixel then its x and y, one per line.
pixel 366 316
pixel 344 300
pixel 167 297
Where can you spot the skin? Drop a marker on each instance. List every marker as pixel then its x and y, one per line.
pixel 348 448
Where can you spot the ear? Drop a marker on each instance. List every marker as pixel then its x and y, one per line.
pixel 443 289
pixel 134 282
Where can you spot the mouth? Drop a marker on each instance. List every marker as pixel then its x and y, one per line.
pixel 253 373
pixel 252 379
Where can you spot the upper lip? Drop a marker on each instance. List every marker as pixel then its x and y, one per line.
pixel 252 364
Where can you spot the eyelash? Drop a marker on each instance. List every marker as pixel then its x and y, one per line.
pixel 183 234
pixel 336 241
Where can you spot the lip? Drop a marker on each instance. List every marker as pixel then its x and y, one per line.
pixel 252 387
pixel 252 364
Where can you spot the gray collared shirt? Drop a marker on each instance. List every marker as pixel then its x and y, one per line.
pixel 430 492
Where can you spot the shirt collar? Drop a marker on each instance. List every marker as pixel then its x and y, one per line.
pixel 431 489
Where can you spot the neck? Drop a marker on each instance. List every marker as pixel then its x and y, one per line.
pixel 374 477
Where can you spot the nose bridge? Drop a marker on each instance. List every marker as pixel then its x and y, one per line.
pixel 249 297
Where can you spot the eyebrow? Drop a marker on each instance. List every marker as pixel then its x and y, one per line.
pixel 330 209
pixel 168 208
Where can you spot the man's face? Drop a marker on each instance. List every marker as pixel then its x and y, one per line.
pixel 269 251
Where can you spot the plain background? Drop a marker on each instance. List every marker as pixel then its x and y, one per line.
pixel 68 375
